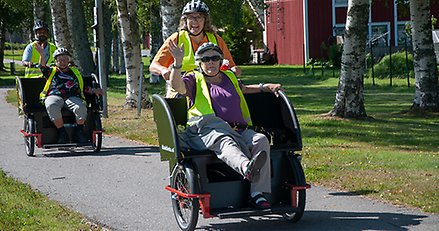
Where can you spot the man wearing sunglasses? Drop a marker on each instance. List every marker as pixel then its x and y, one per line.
pixel 219 119
pixel 195 29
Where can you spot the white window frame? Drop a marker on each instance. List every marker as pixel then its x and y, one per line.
pixel 335 4
pixel 387 24
pixel 397 32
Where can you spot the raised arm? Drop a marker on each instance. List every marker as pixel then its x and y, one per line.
pixel 40 49
pixel 176 81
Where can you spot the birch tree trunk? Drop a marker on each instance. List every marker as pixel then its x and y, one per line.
pixel 39 10
pixel 170 11
pixel 131 46
pixel 81 51
pixel 349 100
pixel 426 73
pixel 61 30
pixel 115 52
pixel 156 39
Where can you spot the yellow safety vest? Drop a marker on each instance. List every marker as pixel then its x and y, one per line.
pixel 203 105
pixel 78 75
pixel 188 63
pixel 33 72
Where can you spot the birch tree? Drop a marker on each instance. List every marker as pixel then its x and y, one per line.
pixel 349 99
pixel 170 11
pixel 426 73
pixel 127 18
pixel 61 30
pixel 77 26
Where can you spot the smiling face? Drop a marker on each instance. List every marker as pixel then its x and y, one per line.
pixel 42 34
pixel 210 62
pixel 62 61
pixel 195 23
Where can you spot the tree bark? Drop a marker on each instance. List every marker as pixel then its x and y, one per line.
pixel 2 46
pixel 426 73
pixel 115 52
pixel 131 46
pixel 39 10
pixel 78 30
pixel 349 100
pixel 60 26
pixel 170 11
pixel 156 39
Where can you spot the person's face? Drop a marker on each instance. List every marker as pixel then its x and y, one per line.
pixel 62 61
pixel 210 62
pixel 195 23
pixel 41 34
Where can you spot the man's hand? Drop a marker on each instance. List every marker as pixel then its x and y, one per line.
pixel 40 48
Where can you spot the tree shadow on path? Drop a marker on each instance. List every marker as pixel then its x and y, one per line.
pixel 326 220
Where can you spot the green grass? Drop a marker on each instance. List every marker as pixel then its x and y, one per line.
pixel 391 156
pixel 22 208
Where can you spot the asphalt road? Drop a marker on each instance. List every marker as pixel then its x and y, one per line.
pixel 122 187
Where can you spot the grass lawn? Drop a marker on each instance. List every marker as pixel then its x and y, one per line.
pixel 392 155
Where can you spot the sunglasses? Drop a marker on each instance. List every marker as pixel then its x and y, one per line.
pixel 214 58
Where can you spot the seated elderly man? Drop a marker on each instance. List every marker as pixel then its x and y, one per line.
pixel 216 105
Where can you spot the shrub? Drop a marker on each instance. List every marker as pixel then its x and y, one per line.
pixel 335 52
pixel 381 69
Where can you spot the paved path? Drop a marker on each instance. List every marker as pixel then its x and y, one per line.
pixel 123 188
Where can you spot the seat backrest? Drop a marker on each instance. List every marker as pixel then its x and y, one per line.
pixel 29 90
pixel 277 119
pixel 168 113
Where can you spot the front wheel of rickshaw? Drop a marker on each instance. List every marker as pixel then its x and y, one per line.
pixel 299 179
pixel 29 141
pixel 97 144
pixel 185 209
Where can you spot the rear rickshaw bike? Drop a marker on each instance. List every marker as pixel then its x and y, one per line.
pixel 40 132
pixel 201 183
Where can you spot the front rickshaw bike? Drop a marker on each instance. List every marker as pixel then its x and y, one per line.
pixel 39 131
pixel 200 182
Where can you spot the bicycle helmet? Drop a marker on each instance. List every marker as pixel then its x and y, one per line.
pixel 205 47
pixel 195 6
pixel 61 51
pixel 40 25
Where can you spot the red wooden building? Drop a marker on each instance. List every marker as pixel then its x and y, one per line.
pixel 296 29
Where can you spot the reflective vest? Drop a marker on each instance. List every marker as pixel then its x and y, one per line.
pixel 188 63
pixel 34 72
pixel 78 75
pixel 202 103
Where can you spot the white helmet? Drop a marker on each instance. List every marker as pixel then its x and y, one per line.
pixel 61 51
pixel 195 6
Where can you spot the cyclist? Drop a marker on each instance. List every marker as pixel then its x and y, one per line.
pixel 31 56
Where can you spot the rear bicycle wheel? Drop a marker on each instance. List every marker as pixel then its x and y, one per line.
pixel 98 136
pixel 301 194
pixel 29 141
pixel 185 209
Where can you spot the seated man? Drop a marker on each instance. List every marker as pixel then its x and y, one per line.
pixel 64 88
pixel 216 105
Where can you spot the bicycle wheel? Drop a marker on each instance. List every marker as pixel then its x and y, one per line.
pixel 185 209
pixel 299 179
pixel 29 141
pixel 98 136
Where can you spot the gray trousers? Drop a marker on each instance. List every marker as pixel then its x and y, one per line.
pixel 55 103
pixel 227 150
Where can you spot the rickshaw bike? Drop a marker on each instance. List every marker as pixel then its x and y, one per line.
pixel 200 182
pixel 39 131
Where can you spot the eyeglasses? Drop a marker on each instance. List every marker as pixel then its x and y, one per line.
pixel 194 18
pixel 214 58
